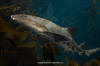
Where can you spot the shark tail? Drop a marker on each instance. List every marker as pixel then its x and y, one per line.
pixel 91 51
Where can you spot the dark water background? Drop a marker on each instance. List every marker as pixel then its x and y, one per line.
pixel 83 14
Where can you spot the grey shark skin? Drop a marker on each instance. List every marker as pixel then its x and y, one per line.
pixel 59 35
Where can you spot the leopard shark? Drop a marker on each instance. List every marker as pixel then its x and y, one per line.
pixel 61 36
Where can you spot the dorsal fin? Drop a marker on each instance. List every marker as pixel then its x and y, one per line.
pixel 72 30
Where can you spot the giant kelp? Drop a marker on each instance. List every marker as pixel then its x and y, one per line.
pixel 49 52
pixel 93 11
pixel 15 6
pixel 94 62
pixel 70 62
pixel 13 47
pixel 9 31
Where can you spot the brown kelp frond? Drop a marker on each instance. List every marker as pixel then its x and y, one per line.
pixel 70 62
pixel 49 51
pixel 10 31
pixel 13 49
pixel 94 62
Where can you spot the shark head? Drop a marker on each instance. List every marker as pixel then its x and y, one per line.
pixel 22 19
pixel 26 20
pixel 19 17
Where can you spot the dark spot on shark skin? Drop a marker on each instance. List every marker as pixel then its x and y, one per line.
pixel 64 42
pixel 68 44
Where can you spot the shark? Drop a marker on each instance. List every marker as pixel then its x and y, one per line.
pixel 61 36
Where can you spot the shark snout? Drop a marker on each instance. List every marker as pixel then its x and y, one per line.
pixel 13 17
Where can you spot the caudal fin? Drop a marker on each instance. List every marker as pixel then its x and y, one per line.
pixel 91 51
